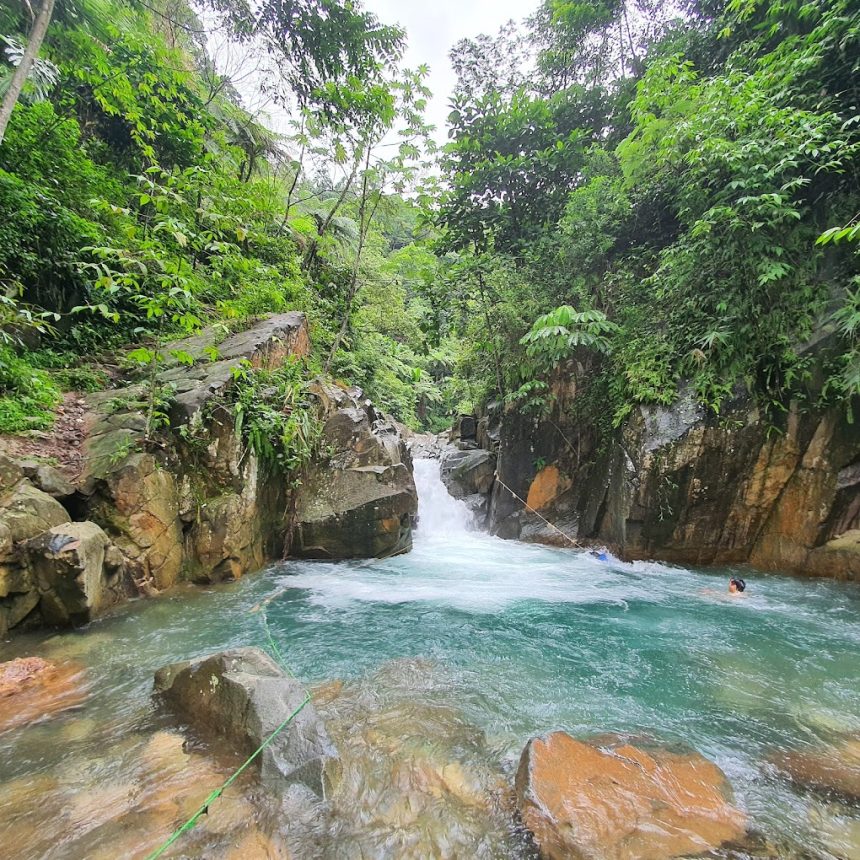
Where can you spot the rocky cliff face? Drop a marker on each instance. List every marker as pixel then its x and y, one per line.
pixel 682 486
pixel 359 500
pixel 197 505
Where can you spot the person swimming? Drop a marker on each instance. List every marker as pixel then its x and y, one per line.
pixel 737 585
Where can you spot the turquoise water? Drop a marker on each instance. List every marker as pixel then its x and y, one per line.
pixel 524 639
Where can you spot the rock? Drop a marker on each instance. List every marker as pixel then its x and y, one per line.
pixel 48 479
pixel 24 513
pixel 10 473
pixel 424 446
pixel 360 502
pixel 678 484
pixel 418 779
pixel 622 803
pixel 466 473
pixel 832 770
pixel 138 506
pixel 33 689
pixel 478 505
pixel 202 507
pixel 465 428
pixel 266 344
pixel 77 570
pixel 243 695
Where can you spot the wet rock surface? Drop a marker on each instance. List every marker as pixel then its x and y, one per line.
pixel 831 770
pixel 418 780
pixel 679 485
pixel 361 500
pixel 468 473
pixel 132 813
pixel 33 689
pixel 616 801
pixel 244 696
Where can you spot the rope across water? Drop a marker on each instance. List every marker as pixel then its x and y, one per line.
pixel 276 652
pixel 204 807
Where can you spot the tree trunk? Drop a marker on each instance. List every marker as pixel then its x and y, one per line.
pixel 491 334
pixel 37 36
pixel 363 228
pixel 310 257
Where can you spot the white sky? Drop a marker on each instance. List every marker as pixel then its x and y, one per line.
pixel 432 28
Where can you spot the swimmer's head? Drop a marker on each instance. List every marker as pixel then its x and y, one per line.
pixel 736 585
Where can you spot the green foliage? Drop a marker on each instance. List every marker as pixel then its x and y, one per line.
pixel 554 336
pixel 27 396
pixel 80 379
pixel 276 415
pixel 700 167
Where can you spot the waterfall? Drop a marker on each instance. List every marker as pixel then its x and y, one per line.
pixel 439 513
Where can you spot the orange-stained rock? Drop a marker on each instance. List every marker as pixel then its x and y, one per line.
pixel 834 769
pixel 547 486
pixel 326 692
pixel 621 802
pixel 32 688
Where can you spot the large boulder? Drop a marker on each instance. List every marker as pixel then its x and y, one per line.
pixel 48 478
pixel 683 485
pixel 359 502
pixel 244 696
pixel 464 429
pixel 265 344
pixel 138 505
pixel 78 572
pixel 24 513
pixel 616 801
pixel 202 507
pixel 468 473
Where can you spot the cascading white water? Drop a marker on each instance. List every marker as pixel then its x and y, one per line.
pixel 439 513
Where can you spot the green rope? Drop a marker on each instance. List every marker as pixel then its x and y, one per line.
pixel 204 807
pixel 273 645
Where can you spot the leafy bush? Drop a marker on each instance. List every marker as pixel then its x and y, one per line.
pixel 27 396
pixel 276 415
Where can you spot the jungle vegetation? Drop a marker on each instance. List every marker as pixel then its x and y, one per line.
pixel 635 194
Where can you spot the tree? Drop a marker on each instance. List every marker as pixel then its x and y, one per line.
pixel 404 99
pixel 31 51
pixel 317 45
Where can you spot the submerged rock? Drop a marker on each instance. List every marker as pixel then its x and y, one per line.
pixel 418 779
pixel 620 802
pixel 243 696
pixel 361 501
pixel 828 769
pixel 33 689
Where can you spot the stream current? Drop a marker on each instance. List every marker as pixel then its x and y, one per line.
pixel 483 641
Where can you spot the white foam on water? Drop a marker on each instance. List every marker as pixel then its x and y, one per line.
pixel 439 513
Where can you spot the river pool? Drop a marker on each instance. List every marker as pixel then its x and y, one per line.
pixel 512 639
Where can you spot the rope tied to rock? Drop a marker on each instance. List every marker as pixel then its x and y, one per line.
pixel 203 809
pixel 528 507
